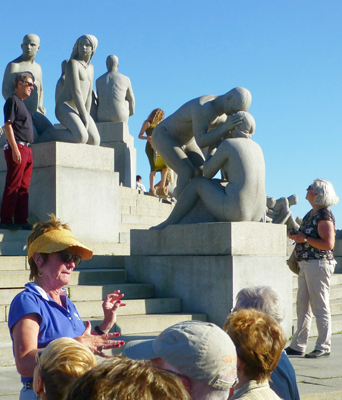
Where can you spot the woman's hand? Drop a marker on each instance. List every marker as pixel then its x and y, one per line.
pixel 298 237
pixel 111 303
pixel 98 343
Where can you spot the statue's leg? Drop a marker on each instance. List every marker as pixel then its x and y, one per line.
pixel 94 136
pixel 71 121
pixel 195 154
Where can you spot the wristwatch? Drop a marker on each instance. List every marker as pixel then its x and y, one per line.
pixel 305 240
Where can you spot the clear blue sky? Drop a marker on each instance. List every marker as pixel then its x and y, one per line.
pixel 287 53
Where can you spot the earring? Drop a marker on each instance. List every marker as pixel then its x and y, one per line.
pixel 40 274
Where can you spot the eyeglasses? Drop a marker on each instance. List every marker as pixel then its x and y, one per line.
pixel 29 84
pixel 67 257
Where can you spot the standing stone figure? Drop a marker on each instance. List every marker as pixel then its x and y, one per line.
pixel 115 95
pixel 244 197
pixel 73 97
pixel 26 63
pixel 197 124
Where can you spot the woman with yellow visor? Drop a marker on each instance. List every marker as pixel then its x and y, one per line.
pixel 43 312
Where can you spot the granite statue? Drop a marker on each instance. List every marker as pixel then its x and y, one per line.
pixel 197 124
pixel 74 96
pixel 115 95
pixel 243 197
pixel 278 211
pixel 26 63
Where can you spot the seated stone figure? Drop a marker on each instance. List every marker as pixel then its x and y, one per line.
pixel 74 95
pixel 243 198
pixel 26 63
pixel 115 95
pixel 197 124
pixel 278 211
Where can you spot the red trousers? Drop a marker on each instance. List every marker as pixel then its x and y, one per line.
pixel 14 204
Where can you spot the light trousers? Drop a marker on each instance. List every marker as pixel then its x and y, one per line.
pixel 313 299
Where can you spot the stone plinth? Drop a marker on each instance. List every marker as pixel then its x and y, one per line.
pixel 78 184
pixel 207 264
pixel 116 136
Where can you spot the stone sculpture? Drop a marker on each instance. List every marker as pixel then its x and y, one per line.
pixel 74 96
pixel 197 124
pixel 115 95
pixel 278 211
pixel 26 63
pixel 244 197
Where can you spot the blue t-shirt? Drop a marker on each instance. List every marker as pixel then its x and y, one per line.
pixel 54 320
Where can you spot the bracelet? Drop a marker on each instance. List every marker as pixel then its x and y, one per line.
pixel 98 330
pixel 305 240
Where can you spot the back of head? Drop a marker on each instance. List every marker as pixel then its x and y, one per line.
pixel 61 362
pixel 247 127
pixel 262 298
pixel 259 341
pixel 155 116
pixel 120 378
pixel 241 99
pixel 112 62
pixel 325 193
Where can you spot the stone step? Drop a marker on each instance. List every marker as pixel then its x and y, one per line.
pixel 336 279
pixel 146 211
pixel 90 309
pixel 16 279
pixel 6 355
pixel 142 219
pixel 125 237
pixel 335 293
pixel 335 307
pixel 127 227
pixel 336 325
pixel 13 263
pixel 126 192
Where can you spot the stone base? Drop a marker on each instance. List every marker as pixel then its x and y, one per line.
pixel 210 263
pixel 77 183
pixel 116 136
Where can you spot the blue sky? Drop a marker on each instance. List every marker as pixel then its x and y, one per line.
pixel 288 54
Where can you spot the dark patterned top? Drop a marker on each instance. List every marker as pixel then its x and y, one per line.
pixel 309 227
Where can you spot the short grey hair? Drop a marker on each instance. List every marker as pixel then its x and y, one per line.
pixel 325 193
pixel 262 298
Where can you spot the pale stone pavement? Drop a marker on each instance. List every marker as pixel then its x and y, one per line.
pixel 319 379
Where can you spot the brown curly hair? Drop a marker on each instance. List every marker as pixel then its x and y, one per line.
pixel 259 341
pixel 156 116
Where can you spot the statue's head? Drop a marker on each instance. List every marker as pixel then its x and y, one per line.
pixel 270 202
pixel 112 62
pixel 293 200
pixel 30 45
pixel 86 44
pixel 247 127
pixel 237 99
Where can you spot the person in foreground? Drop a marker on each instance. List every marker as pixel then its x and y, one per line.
pixel 315 242
pixel 200 353
pixel 43 312
pixel 58 365
pixel 259 341
pixel 267 300
pixel 120 378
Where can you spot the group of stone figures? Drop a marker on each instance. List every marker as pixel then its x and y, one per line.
pixel 206 135
pixel 78 107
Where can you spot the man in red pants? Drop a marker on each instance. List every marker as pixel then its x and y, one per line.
pixel 18 154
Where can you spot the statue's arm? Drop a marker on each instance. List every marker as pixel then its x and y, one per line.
pixel 41 109
pixel 72 80
pixel 7 84
pixel 90 92
pixel 130 98
pixel 216 161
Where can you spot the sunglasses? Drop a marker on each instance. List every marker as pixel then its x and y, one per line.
pixel 29 84
pixel 309 187
pixel 67 257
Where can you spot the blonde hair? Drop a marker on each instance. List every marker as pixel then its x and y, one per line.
pixel 156 116
pixel 39 229
pixel 121 378
pixel 259 341
pixel 61 362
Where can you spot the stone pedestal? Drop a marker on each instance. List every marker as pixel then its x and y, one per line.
pixel 116 136
pixel 77 183
pixel 207 264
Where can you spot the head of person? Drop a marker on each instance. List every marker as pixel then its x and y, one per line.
pixel 155 116
pixel 259 341
pixel 112 62
pixel 293 200
pixel 270 202
pixel 237 99
pixel 200 353
pixel 30 45
pixel 139 178
pixel 23 84
pixel 262 298
pixel 120 378
pixel 84 48
pixel 322 193
pixel 247 127
pixel 58 365
pixel 53 252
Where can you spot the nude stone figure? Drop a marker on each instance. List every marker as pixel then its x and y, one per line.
pixel 244 197
pixel 115 95
pixel 74 95
pixel 26 63
pixel 197 124
pixel 278 211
